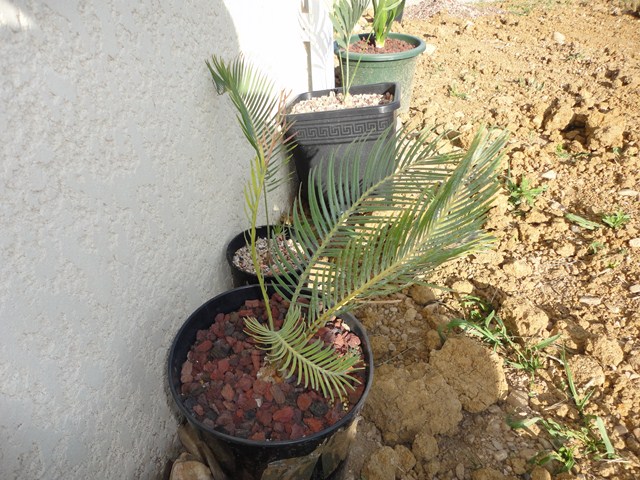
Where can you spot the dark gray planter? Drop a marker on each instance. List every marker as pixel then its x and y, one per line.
pixel 318 136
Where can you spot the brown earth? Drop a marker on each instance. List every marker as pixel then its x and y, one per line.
pixel 564 78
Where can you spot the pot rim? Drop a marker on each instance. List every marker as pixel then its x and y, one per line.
pixel 382 87
pixel 419 46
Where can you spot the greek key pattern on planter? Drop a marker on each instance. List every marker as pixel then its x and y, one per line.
pixel 343 130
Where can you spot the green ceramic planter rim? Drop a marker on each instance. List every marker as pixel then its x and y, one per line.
pixel 418 43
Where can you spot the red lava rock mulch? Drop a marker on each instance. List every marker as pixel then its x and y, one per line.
pixel 220 383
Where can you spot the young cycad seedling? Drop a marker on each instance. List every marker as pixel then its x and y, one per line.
pixel 616 219
pixel 344 16
pixel 384 13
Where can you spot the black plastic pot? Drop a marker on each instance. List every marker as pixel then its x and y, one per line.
pixel 318 136
pixel 319 456
pixel 242 277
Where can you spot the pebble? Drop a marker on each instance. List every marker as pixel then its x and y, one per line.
pixel 590 300
pixel 627 192
pixel 635 288
pixel 559 38
pixel 634 242
pixel 620 429
pixel 430 49
pixel 550 175
pixel 518 399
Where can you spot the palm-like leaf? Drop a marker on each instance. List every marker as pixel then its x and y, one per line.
pixel 400 226
pixel 380 226
pixel 314 364
pixel 260 111
pixel 344 16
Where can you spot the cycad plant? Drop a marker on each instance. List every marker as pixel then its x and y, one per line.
pixel 263 123
pixel 344 16
pixel 384 13
pixel 373 232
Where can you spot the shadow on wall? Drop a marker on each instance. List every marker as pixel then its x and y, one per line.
pixel 121 168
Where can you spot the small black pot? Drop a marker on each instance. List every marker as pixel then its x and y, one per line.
pixel 241 277
pixel 317 136
pixel 321 456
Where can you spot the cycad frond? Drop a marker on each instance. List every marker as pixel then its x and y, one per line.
pixel 401 225
pixel 313 363
pixel 344 16
pixel 260 111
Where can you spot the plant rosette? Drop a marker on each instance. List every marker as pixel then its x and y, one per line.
pixel 384 66
pixel 255 422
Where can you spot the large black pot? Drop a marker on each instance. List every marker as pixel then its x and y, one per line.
pixel 242 277
pixel 317 136
pixel 319 456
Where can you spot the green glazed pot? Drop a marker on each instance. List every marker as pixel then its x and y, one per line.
pixel 386 67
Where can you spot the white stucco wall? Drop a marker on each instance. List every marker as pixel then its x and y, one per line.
pixel 120 183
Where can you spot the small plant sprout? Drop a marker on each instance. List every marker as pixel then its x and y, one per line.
pixel 344 16
pixel 570 443
pixel 454 92
pixel 484 323
pixel 616 219
pixel 582 222
pixel 595 247
pixel 523 192
pixel 578 400
pixel 384 13
pixel 562 153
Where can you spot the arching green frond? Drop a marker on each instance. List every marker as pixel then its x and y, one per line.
pixel 314 364
pixel 416 208
pixel 260 111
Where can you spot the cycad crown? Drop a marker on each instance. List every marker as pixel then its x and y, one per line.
pixel 373 232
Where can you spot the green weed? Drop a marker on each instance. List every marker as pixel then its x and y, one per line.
pixel 523 192
pixel 483 322
pixel 616 219
pixel 579 400
pixel 582 222
pixel 562 153
pixel 594 247
pixel 454 92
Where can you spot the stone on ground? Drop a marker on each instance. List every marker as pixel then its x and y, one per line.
pixel 425 447
pixel 187 468
pixel 606 350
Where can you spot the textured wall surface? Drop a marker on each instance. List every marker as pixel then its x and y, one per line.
pixel 121 181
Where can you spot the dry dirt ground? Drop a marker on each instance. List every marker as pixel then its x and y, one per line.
pixel 564 78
